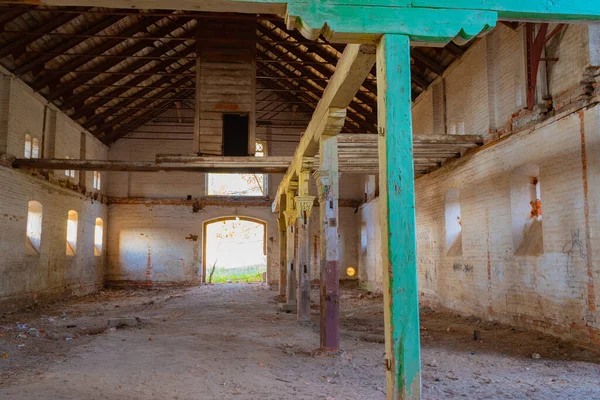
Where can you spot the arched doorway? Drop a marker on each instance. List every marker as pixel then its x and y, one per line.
pixel 235 249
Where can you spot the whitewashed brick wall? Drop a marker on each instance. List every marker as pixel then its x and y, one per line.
pixel 555 292
pixel 548 292
pixel 31 278
pixel 27 279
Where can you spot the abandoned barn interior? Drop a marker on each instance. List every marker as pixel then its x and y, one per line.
pixel 301 199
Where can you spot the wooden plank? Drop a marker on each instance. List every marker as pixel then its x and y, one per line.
pixel 397 219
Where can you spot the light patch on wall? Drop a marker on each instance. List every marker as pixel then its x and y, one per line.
pixel 72 222
pixel 453 223
pixel 27 150
pixel 98 236
pixel 34 227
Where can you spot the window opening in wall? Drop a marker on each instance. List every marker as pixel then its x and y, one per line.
pixel 72 221
pixel 69 172
pixel 27 152
pixel 235 250
pixel 219 184
pixel 34 227
pixel 97 180
pixel 35 148
pixel 453 223
pixel 526 210
pixel 98 236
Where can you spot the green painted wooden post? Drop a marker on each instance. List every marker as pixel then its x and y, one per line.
pixel 397 218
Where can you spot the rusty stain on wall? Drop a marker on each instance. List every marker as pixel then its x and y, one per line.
pixel 192 237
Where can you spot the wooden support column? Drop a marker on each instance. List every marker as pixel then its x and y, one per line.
pixel 282 252
pixel 5 88
pixel 304 203
pixel 397 218
pixel 198 83
pixel 291 214
pixel 82 154
pixel 282 260
pixel 327 177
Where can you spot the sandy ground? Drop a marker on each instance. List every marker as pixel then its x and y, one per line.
pixel 230 342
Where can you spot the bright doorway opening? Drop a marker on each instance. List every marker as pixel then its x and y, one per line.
pixel 235 250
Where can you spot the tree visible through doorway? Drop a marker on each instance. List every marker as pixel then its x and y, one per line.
pixel 235 251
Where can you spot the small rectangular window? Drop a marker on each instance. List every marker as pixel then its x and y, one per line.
pixel 72 222
pixel 34 227
pixel 97 180
pixel 27 151
pixel 35 148
pixel 98 236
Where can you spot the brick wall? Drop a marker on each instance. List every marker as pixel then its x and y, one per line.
pixel 556 291
pixel 31 278
pixel 152 243
pixel 553 292
pixel 163 228
pixel 27 278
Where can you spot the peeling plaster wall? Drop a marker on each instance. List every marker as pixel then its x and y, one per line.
pixel 28 279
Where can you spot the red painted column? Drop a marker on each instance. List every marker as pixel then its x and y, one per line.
pixel 327 177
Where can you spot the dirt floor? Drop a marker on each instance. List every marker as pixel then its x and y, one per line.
pixel 229 342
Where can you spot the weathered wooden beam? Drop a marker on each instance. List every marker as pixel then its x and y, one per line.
pixel 36 62
pixel 267 164
pixel 310 73
pixel 18 45
pixel 397 220
pixel 323 70
pixel 159 69
pixel 161 83
pixel 352 69
pixel 52 79
pixel 431 64
pixel 198 89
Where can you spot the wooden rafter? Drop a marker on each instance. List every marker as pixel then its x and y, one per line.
pixel 125 84
pixel 53 79
pixel 110 63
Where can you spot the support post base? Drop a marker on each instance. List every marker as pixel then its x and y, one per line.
pixel 288 307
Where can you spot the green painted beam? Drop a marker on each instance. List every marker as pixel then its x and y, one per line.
pixel 350 23
pixel 356 21
pixel 397 218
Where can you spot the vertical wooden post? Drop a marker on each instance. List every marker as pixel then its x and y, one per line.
pixel 282 257
pixel 304 203
pixel 291 215
pixel 327 177
pixel 82 156
pixel 397 218
pixel 5 88
pixel 198 83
